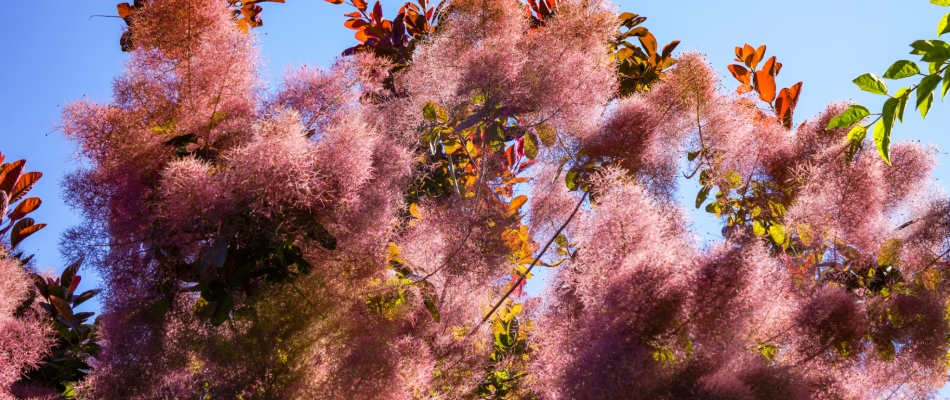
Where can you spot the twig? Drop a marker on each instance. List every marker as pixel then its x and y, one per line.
pixel 521 278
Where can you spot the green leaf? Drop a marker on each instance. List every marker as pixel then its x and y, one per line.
pixel 855 138
pixel 901 96
pixel 692 155
pixel 946 83
pixel 882 140
pixel 530 146
pixel 925 90
pixel 572 179
pixel 546 133
pixel 852 115
pixel 871 83
pixel 937 54
pixel 702 196
pixel 429 298
pixel 944 25
pixel 925 105
pixel 434 112
pixel 940 2
pixel 902 69
pixel 222 311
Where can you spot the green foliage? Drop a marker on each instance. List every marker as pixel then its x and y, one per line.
pixel 76 339
pixel 936 54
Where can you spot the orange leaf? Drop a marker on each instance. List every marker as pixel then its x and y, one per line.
pixel 748 55
pixel 335 1
pixel 516 204
pixel 786 102
pixel 243 26
pixel 649 43
pixel 740 73
pixel 10 174
pixel 354 14
pixel 769 66
pixel 778 67
pixel 23 185
pixel 362 35
pixel 355 24
pixel 25 207
pixel 738 54
pixel 125 10
pixel 759 54
pixel 360 4
pixel 765 85
pixel 668 49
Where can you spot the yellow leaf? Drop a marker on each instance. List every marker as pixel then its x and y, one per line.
pixel 414 211
pixel 516 204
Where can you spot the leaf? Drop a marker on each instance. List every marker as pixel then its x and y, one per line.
pixel 786 102
pixel 451 145
pixel 882 140
pixel 926 88
pixel 84 296
pixel 414 211
pixel 23 185
pixel 10 175
pixel 23 229
pixel 649 43
pixel 937 53
pixel 222 311
pixel 765 85
pixel 925 105
pixel 360 4
pixel 855 138
pixel 571 179
pixel 668 49
pixel 902 69
pixel 516 204
pixel 62 308
pixel 944 25
pixel 25 207
pixel 758 228
pixel 434 112
pixel 530 147
pixel 335 1
pixel 871 83
pixel 777 232
pixel 66 278
pixel 740 73
pixel 546 133
pixel 702 196
pixel 940 2
pixel 854 114
pixel 946 83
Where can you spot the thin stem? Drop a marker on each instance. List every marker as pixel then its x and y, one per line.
pixel 521 278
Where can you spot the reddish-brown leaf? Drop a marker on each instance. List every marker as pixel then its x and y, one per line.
pixel 668 49
pixel 62 307
pixel 355 24
pixel 23 185
pixel 786 102
pixel 354 14
pixel 22 229
pixel 74 284
pixel 335 1
pixel 740 73
pixel 378 12
pixel 10 175
pixel 765 85
pixel 360 4
pixel 649 43
pixel 363 34
pixel 25 207
pixel 125 10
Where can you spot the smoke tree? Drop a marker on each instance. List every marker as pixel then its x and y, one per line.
pixel 365 231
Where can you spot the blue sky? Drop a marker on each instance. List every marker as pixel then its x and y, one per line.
pixel 58 53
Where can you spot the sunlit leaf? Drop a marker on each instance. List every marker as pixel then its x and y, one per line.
pixel 765 85
pixel 25 207
pixel 902 69
pixel 871 83
pixel 516 204
pixel 854 114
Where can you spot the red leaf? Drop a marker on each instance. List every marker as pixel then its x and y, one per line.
pixel 23 185
pixel 355 24
pixel 360 4
pixel 10 175
pixel 25 207
pixel 378 12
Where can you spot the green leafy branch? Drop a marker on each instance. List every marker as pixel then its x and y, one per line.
pixel 936 54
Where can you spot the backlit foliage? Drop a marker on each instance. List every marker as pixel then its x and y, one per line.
pixel 366 231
